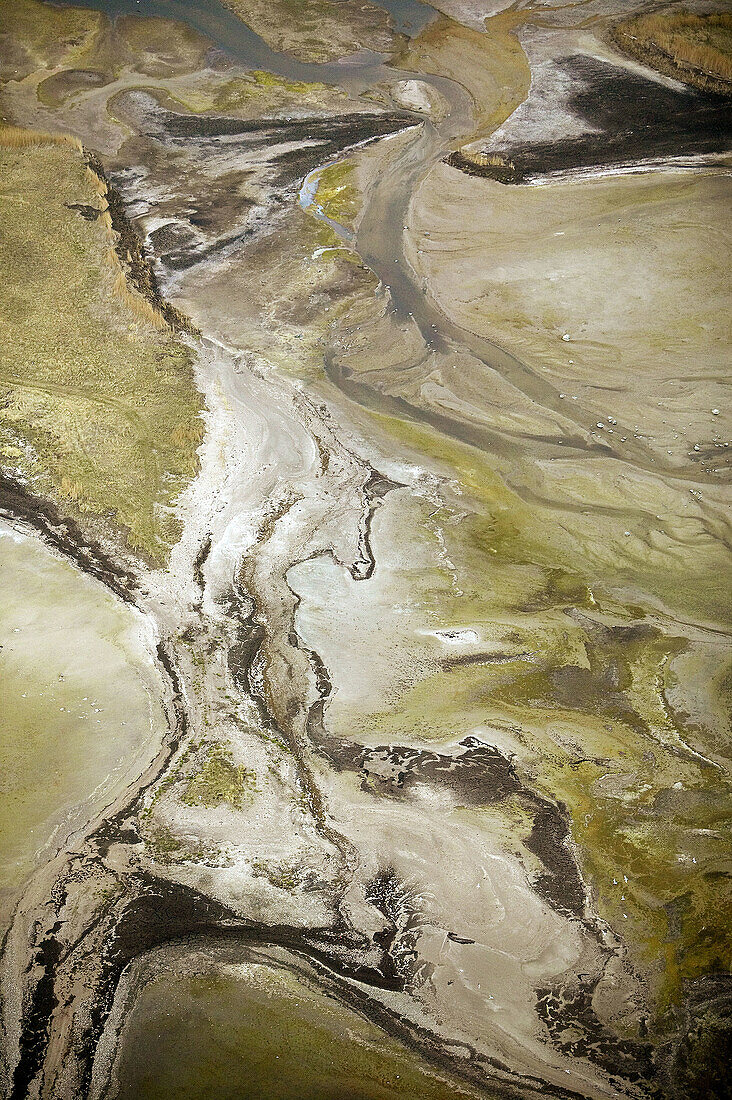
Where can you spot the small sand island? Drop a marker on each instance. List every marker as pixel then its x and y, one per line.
pixel 365 550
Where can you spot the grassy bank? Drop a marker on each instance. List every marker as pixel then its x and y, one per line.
pixel 694 48
pixel 99 408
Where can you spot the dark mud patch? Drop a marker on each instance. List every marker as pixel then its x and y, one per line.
pixel 297 146
pixel 477 776
pixel 575 1029
pixel 131 253
pixel 37 1017
pixel 626 120
pixel 483 167
pixel 400 937
pixel 561 883
pixel 698 1064
pixel 66 537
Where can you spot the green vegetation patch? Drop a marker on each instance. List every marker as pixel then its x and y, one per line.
pixel 220 780
pixel 32 33
pixel 98 405
pixel 163 846
pixel 338 195
pixel 263 89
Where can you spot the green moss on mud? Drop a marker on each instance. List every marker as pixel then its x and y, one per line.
pixel 163 845
pixel 219 780
pixel 338 195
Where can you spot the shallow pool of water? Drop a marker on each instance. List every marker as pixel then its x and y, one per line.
pixel 80 715
pixel 260 1032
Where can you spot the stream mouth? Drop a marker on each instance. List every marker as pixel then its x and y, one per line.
pixel 229 33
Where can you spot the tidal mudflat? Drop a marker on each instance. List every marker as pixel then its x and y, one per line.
pixel 365 465
pixel 81 712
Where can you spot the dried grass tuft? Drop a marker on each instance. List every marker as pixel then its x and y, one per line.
pixel 15 137
pixel 694 48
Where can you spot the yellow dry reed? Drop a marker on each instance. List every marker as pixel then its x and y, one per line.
pixel 696 45
pixel 15 137
pixel 19 138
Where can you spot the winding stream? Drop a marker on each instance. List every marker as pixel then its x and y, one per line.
pixel 277 523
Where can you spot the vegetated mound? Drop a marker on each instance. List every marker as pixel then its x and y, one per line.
pixel 318 30
pixel 694 48
pixel 98 406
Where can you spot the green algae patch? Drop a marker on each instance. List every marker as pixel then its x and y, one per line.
pixel 263 1033
pixel 219 780
pixel 101 402
pixel 338 195
pixel 258 92
pixel 264 79
pixel 163 845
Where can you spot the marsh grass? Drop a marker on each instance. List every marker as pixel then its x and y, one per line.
pixel 96 393
pixel 49 35
pixel 694 48
pixel 15 137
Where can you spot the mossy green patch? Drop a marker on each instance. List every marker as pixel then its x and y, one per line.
pixel 258 92
pixel 40 34
pixel 219 780
pixel 164 846
pixel 338 195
